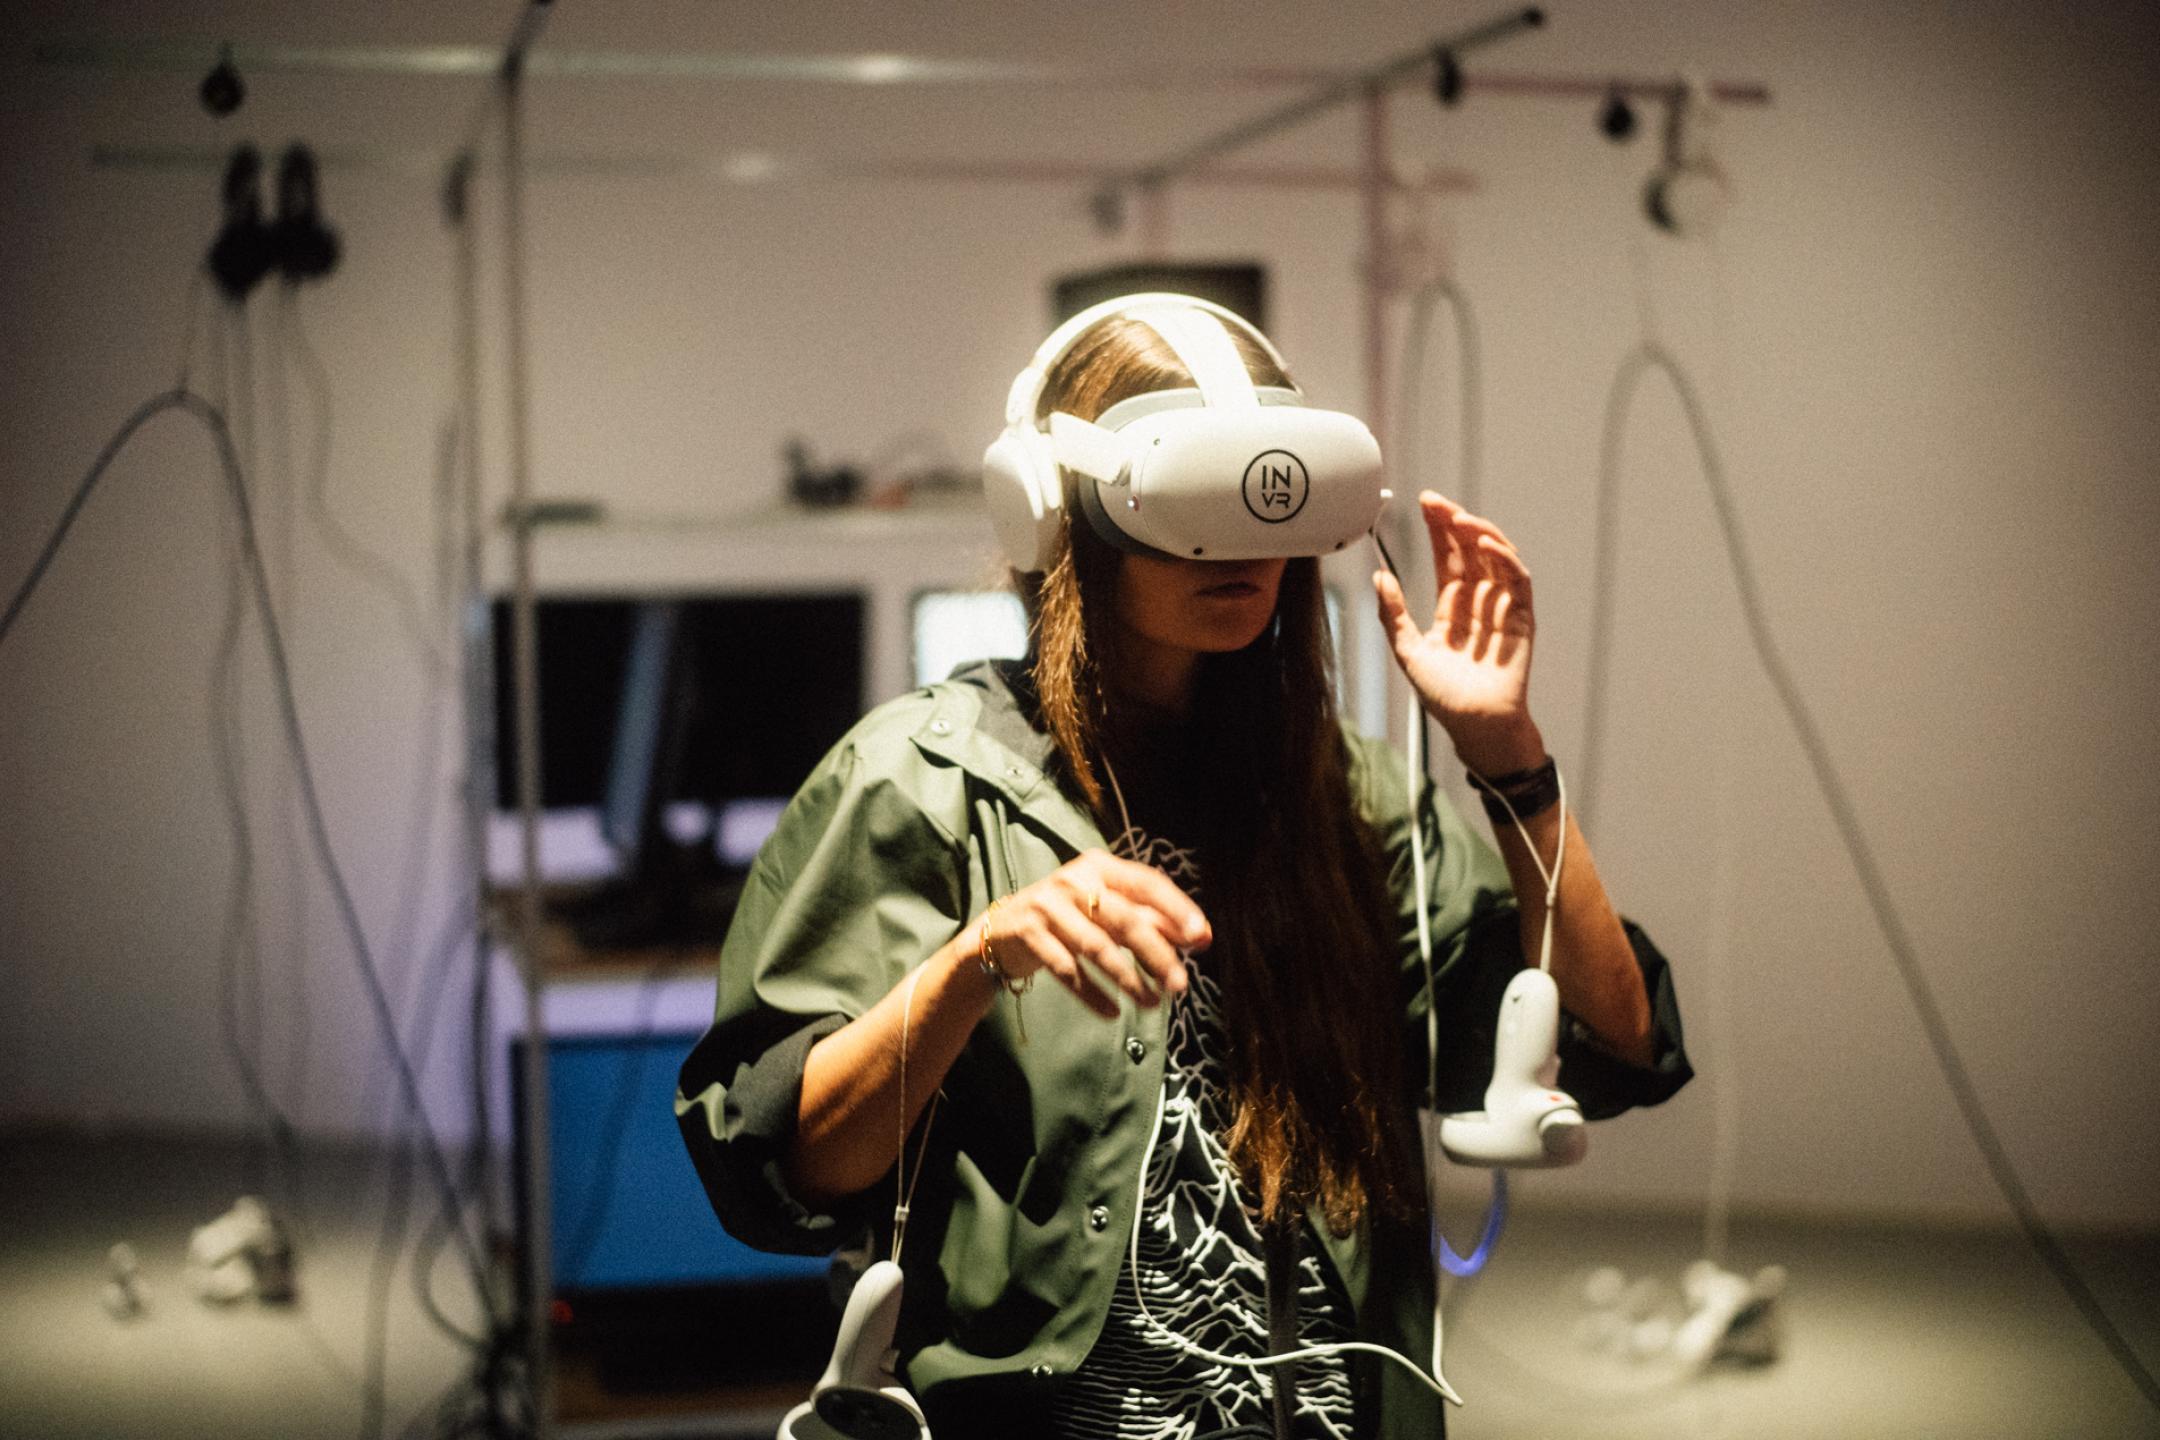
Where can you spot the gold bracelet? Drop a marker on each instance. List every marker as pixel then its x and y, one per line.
pixel 986 957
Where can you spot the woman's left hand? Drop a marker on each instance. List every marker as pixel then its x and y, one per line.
pixel 1471 666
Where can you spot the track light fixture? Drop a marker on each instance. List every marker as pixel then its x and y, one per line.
pixel 1686 195
pixel 222 89
pixel 1447 80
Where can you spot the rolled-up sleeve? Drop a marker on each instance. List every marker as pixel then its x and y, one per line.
pixel 1476 936
pixel 738 1121
pixel 1604 1084
pixel 858 884
pixel 1468 999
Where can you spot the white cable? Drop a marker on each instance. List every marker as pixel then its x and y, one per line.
pixel 1717 970
pixel 903 1190
pixel 1124 815
pixel 1550 877
pixel 1435 1382
pixel 1413 752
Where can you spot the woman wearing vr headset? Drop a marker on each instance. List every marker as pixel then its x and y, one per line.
pixel 1141 900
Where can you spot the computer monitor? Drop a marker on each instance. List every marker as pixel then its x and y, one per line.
pixel 651 729
pixel 680 724
pixel 779 679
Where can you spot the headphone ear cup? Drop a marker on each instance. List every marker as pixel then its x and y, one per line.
pixel 303 247
pixel 1024 495
pixel 242 253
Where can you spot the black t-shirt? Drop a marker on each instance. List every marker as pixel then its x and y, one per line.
pixel 1200 1254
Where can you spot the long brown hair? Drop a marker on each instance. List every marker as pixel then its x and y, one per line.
pixel 1304 948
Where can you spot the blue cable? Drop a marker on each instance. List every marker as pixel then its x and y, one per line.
pixel 1495 1220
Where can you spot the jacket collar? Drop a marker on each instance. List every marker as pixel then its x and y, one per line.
pixel 983 720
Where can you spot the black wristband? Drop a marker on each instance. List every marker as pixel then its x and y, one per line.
pixel 1529 792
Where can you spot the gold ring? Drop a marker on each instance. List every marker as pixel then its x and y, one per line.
pixel 1094 904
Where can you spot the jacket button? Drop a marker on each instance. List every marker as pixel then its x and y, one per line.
pixel 1136 1049
pixel 939 727
pixel 1040 1370
pixel 1099 1218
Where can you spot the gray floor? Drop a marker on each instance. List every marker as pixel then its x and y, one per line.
pixel 1887 1332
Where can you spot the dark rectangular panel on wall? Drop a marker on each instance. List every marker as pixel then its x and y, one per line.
pixel 1237 286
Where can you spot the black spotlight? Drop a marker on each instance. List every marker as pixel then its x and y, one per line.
pixel 222 89
pixel 1447 79
pixel 1617 118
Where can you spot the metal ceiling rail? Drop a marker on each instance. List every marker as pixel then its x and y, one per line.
pixel 1593 87
pixel 755 168
pixel 868 69
pixel 469 61
pixel 1336 93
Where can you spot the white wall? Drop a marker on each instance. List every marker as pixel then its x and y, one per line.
pixel 1928 337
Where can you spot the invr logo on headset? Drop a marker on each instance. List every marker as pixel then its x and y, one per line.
pixel 1276 484
pixel 1221 470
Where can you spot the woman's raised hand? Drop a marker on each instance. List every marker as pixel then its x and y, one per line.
pixel 1098 919
pixel 1471 666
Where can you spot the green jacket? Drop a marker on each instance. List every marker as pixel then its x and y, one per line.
pixel 932 806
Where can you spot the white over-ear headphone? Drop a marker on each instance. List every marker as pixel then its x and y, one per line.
pixel 1226 470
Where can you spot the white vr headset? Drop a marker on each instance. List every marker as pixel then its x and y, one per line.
pixel 1224 471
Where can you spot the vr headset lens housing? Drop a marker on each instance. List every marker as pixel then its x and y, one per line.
pixel 1224 470
pixel 1165 472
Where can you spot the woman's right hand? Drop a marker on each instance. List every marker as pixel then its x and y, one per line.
pixel 1099 918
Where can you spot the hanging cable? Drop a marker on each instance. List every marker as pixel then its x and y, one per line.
pixel 214 421
pixel 1470 406
pixel 372 569
pixel 1417 724
pixel 239 964
pixel 1651 357
pixel 277 501
pixel 419 1027
pixel 1464 1266
pixel 1470 377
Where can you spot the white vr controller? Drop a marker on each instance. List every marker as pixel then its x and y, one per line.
pixel 860 1397
pixel 1728 1314
pixel 243 1253
pixel 1527 1123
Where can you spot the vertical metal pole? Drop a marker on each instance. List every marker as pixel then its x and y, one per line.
pixel 476 665
pixel 1373 165
pixel 525 641
pixel 1379 687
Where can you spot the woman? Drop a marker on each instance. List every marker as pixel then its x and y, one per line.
pixel 1159 812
